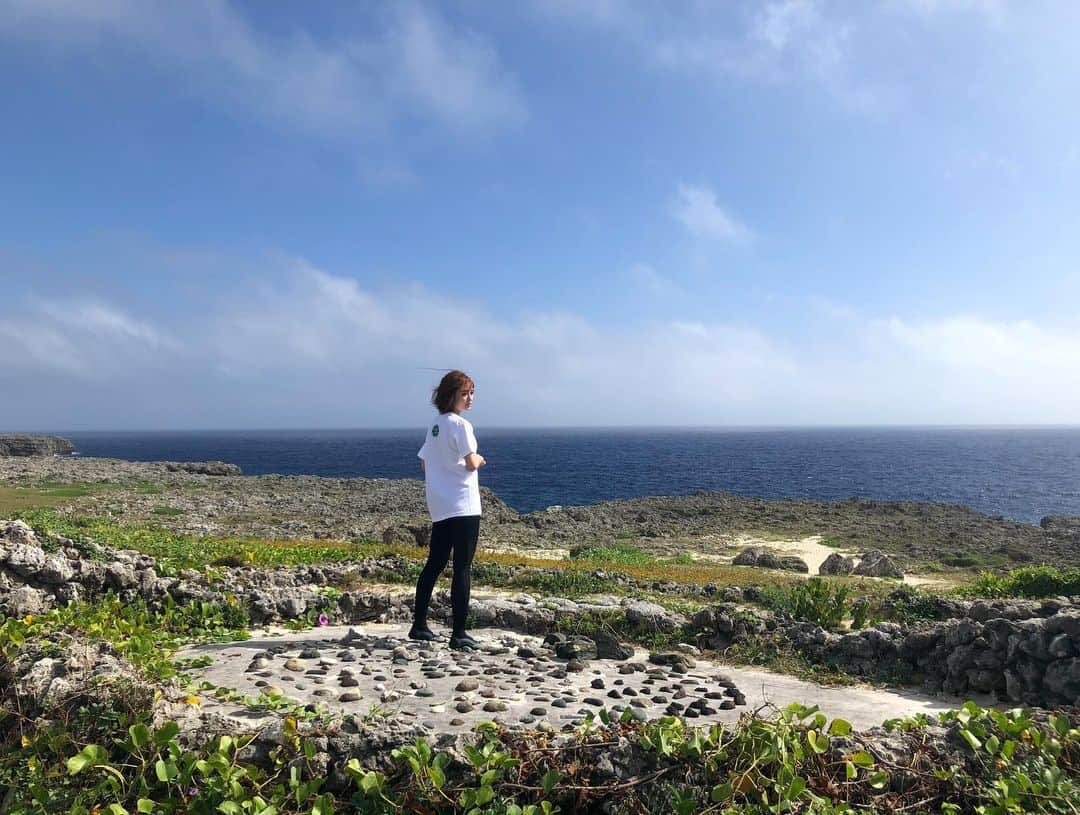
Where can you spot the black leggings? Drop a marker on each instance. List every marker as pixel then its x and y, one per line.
pixel 458 535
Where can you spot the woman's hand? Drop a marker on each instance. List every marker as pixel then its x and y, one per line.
pixel 474 461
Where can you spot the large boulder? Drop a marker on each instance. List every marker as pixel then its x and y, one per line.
pixel 19 444
pixel 837 564
pixel 876 563
pixel 642 615
pixel 407 535
pixel 764 559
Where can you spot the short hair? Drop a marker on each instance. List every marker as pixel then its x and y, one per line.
pixel 444 395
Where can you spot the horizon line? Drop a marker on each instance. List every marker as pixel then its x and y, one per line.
pixel 410 428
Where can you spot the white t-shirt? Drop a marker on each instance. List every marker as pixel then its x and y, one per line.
pixel 452 489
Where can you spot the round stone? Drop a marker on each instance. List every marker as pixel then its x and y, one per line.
pixel 350 696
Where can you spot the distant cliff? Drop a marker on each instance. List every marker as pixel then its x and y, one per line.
pixel 17 444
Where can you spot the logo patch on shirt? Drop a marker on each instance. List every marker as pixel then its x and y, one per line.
pixel 434 430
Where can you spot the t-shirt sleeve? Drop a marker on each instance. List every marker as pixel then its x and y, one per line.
pixel 469 445
pixel 462 439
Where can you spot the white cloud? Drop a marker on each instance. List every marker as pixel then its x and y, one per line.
pixel 305 347
pixel 697 209
pixel 833 48
pixel 413 64
pixel 86 339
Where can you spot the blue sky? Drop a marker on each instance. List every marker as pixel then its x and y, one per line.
pixel 228 215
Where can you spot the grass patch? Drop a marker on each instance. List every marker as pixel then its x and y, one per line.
pixel 614 554
pixel 166 511
pixel 18 498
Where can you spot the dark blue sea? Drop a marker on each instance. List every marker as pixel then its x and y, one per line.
pixel 1023 474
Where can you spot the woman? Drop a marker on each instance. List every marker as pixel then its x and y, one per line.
pixel 450 462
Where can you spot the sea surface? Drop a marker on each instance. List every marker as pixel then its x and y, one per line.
pixel 1023 474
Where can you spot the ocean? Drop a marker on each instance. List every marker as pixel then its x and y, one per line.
pixel 1019 473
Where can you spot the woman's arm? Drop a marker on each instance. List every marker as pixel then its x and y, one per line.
pixel 474 461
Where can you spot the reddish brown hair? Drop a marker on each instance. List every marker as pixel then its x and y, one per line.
pixel 451 385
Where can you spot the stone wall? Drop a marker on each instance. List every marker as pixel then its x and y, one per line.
pixel 1025 651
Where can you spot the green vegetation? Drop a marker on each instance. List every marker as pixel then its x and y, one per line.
pixel 614 554
pixel 1030 581
pixel 176 550
pixel 815 600
pixel 17 499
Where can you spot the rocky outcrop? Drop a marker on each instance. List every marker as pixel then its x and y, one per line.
pixel 876 563
pixel 17 444
pixel 203 467
pixel 837 564
pixel 764 559
pixel 407 535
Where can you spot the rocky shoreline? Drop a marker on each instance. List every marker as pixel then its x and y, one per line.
pixel 209 498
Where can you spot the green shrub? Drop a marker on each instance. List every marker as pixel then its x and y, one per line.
pixel 815 600
pixel 1030 581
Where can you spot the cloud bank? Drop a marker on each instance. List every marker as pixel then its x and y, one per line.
pixel 306 347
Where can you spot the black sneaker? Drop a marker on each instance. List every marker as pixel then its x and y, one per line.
pixel 463 643
pixel 464 636
pixel 422 632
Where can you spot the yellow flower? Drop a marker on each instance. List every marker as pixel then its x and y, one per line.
pixel 29 618
pixel 192 699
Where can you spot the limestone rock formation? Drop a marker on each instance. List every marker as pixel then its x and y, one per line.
pixel 837 564
pixel 204 467
pixel 407 535
pixel 764 559
pixel 18 444
pixel 876 563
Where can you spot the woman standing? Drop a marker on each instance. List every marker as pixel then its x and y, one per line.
pixel 450 462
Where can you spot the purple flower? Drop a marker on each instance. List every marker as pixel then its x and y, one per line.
pixel 192 792
pixel 324 620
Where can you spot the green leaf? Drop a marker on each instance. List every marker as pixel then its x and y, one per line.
pixel 862 759
pixel 818 742
pixel 840 727
pixel 166 770
pixel 438 777
pixel 166 733
pixel 116 809
pixel 992 744
pixel 484 795
pixel 849 771
pixel 140 734
pixel 878 780
pixel 551 778
pixel 324 805
pixel 1060 724
pixel 90 756
pixel 145 805
pixel 721 792
pixel 970 738
pixel 230 808
pixel 795 789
